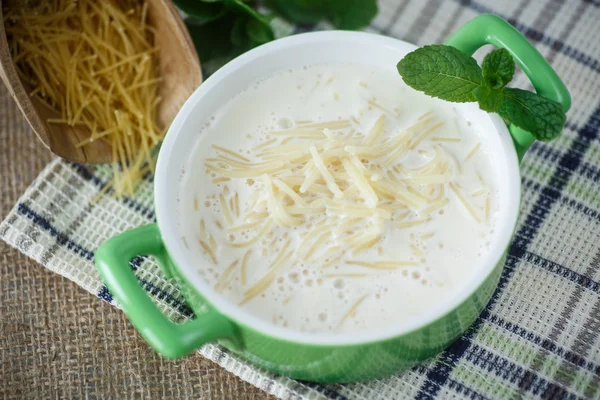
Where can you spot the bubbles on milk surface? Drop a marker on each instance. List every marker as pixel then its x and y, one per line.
pixel 296 215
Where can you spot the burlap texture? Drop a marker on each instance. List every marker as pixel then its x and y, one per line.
pixel 56 341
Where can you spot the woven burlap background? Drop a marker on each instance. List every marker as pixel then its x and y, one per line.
pixel 56 340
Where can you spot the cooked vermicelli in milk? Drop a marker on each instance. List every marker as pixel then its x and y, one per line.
pixel 333 198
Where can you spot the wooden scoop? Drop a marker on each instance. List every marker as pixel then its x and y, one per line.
pixel 179 69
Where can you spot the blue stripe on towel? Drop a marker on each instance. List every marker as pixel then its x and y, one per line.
pixel 133 204
pixel 60 237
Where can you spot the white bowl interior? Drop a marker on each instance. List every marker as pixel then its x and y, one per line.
pixel 297 51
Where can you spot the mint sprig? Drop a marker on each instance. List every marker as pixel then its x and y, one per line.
pixel 445 72
pixel 223 29
pixel 542 117
pixel 498 68
pixel 343 14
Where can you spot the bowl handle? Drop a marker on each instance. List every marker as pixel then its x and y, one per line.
pixel 490 29
pixel 166 337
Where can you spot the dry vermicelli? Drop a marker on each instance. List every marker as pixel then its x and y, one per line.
pixel 94 63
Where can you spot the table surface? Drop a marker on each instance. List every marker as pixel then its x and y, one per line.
pixel 56 340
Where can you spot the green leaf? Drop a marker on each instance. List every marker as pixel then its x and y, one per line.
pixel 299 11
pixel 238 32
pixel 240 7
pixel 258 32
pixel 226 37
pixel 211 39
pixel 201 11
pixel 441 71
pixel 489 99
pixel 256 26
pixel 222 29
pixel 542 117
pixel 498 68
pixel 343 14
pixel 352 14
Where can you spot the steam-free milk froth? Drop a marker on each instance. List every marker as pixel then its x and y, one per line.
pixel 333 198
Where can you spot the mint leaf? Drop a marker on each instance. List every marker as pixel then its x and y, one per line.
pixel 351 14
pixel 441 71
pixel 489 99
pixel 248 32
pixel 258 31
pixel 223 29
pixel 343 14
pixel 211 39
pixel 201 11
pixel 299 11
pixel 498 68
pixel 238 32
pixel 542 117
pixel 257 26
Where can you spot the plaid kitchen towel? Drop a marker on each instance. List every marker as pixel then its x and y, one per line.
pixel 538 337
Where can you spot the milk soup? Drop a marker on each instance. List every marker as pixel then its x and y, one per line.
pixel 333 198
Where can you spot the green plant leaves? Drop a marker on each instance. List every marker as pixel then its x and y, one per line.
pixel 498 68
pixel 489 99
pixel 201 10
pixel 259 31
pixel 299 11
pixel 227 28
pixel 445 72
pixel 223 29
pixel 212 39
pixel 343 14
pixel 441 71
pixel 542 117
pixel 352 14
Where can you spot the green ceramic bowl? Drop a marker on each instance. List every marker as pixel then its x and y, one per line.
pixel 324 357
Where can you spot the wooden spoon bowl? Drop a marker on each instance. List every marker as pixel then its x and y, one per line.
pixel 178 66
